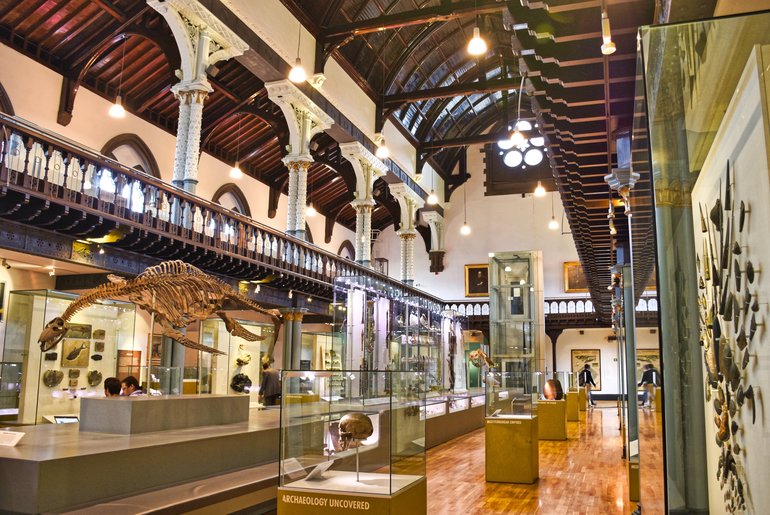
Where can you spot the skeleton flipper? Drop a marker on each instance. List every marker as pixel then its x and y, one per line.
pixel 176 335
pixel 236 329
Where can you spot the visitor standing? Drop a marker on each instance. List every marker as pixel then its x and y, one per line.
pixel 112 387
pixel 270 388
pixel 587 379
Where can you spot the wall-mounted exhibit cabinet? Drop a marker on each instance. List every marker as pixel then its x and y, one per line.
pixel 709 125
pixel 99 343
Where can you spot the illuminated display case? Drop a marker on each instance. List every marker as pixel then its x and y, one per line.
pixel 416 342
pixel 516 319
pixel 99 343
pixel 372 444
pixel 511 394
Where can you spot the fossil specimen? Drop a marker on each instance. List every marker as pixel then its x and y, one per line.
pixel 177 294
pixel 73 355
pixel 354 426
pixel 94 377
pixel 52 378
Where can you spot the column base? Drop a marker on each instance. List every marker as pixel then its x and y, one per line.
pixel 410 282
pixel 366 263
pixel 189 185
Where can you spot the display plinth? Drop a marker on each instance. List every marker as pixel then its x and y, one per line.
pixel 573 407
pixel 553 420
pixel 512 449
pixel 658 400
pixel 325 499
pixel 633 480
pixel 582 398
pixel 143 414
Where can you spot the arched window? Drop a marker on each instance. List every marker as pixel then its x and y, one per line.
pixel 129 150
pixel 347 250
pixel 231 197
pixel 5 102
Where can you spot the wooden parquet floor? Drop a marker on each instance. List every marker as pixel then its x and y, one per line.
pixel 583 475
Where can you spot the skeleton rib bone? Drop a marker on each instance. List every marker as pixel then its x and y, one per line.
pixel 177 293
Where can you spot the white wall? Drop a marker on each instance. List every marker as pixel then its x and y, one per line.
pixel 499 223
pixel 34 93
pixel 597 339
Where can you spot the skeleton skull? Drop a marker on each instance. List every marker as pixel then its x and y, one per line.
pixel 354 426
pixel 52 334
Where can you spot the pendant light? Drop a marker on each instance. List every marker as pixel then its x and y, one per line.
pixel 517 137
pixel 298 73
pixel 235 171
pixel 477 45
pixel 608 47
pixel 539 190
pixel 310 211
pixel 553 224
pixel 432 198
pixel 465 230
pixel 116 109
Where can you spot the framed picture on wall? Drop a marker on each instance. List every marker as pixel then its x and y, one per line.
pixel 574 278
pixel 477 280
pixel 591 357
pixel 646 357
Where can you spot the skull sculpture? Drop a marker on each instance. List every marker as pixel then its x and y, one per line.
pixel 52 334
pixel 354 426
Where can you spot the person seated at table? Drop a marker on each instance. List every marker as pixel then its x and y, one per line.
pixel 129 387
pixel 112 387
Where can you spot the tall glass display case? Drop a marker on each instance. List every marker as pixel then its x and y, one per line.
pixel 416 342
pixel 368 448
pixel 239 370
pixel 99 343
pixel 516 319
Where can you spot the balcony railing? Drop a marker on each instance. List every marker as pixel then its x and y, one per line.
pixel 163 221
pixel 552 306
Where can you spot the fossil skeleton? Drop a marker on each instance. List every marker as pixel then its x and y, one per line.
pixel 176 293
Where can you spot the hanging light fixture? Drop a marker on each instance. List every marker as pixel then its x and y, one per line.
pixel 539 190
pixel 553 224
pixel 235 171
pixel 517 137
pixel 465 230
pixel 382 151
pixel 116 109
pixel 298 73
pixel 477 45
pixel 432 198
pixel 608 47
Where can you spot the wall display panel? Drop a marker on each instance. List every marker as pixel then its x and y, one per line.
pixel 592 358
pixel 239 370
pixel 52 382
pixel 731 204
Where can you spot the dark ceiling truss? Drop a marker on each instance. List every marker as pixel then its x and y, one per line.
pixel 84 41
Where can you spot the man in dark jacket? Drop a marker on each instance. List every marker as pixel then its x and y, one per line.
pixel 270 389
pixel 651 377
pixel 586 379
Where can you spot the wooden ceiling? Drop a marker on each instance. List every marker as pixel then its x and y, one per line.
pixel 410 57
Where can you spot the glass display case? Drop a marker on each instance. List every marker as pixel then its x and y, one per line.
pixel 239 370
pixel 511 394
pixel 99 343
pixel 459 403
pixel 434 407
pixel 373 443
pixel 552 385
pixel 416 342
pixel 516 316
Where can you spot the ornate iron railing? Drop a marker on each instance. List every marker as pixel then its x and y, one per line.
pixel 561 306
pixel 91 188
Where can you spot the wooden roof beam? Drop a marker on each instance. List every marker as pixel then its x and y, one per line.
pixel 455 90
pixel 439 13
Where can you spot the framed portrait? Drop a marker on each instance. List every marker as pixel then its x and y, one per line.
pixel 646 357
pixel 477 280
pixel 591 357
pixel 75 353
pixel 78 331
pixel 574 278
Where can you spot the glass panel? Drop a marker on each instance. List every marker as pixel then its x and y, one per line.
pixel 511 394
pixel 367 442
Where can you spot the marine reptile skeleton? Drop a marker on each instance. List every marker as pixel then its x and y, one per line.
pixel 176 293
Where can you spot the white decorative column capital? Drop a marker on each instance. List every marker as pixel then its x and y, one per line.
pixel 436 223
pixel 408 201
pixel 367 167
pixel 303 117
